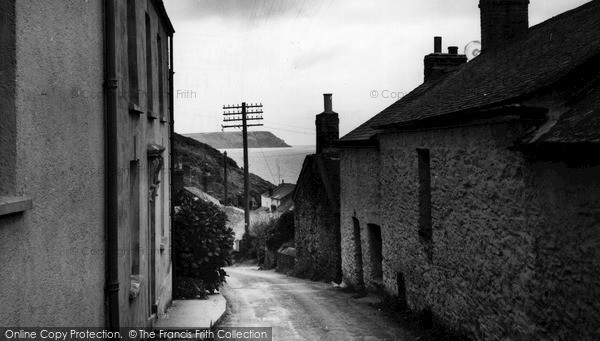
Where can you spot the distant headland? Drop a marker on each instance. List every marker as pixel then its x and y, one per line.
pixel 229 140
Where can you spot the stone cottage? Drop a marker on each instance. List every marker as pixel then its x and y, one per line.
pixel 87 118
pixel 317 203
pixel 476 198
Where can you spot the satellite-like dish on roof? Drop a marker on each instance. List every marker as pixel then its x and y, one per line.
pixel 473 49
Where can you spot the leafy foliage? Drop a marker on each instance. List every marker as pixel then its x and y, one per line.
pixel 282 232
pixel 186 288
pixel 256 240
pixel 202 243
pixel 271 234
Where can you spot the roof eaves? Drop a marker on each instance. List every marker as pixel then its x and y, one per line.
pixel 470 116
pixel 162 13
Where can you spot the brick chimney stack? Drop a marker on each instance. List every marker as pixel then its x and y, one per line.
pixel 438 63
pixel 328 126
pixel 502 21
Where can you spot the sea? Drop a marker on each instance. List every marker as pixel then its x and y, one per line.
pixel 273 164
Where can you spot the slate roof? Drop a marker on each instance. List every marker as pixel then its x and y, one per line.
pixel 367 130
pixel 281 191
pixel 286 206
pixel 203 195
pixel 327 167
pixel 581 124
pixel 549 51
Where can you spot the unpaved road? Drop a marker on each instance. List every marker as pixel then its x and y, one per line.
pixel 303 310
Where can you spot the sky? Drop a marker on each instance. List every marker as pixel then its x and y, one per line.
pixel 286 54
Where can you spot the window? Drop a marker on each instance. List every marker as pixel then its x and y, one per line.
pixel 401 283
pixel 149 75
pixel 161 95
pixel 375 246
pixel 358 260
pixel 425 228
pixel 132 51
pixel 9 203
pixel 134 219
pixel 162 202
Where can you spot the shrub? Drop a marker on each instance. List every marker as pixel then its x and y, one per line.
pixel 259 233
pixel 202 243
pixel 187 288
pixel 270 234
pixel 282 232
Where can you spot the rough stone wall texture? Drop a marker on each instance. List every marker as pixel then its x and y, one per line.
pixel 52 256
pixel 515 241
pixel 360 199
pixel 316 230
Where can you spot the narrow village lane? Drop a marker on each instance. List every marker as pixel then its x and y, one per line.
pixel 303 310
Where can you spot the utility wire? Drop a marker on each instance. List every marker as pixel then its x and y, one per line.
pixel 264 157
pixel 291 131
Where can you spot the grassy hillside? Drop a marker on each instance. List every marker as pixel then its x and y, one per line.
pixel 233 139
pixel 200 160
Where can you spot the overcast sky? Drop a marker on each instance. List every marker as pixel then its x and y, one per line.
pixel 287 53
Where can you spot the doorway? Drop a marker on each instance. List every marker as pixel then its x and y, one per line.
pixel 358 260
pixel 375 252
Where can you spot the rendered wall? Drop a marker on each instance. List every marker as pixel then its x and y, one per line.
pixel 515 241
pixel 137 130
pixel 52 256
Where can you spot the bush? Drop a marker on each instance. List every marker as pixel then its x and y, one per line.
pixel 202 243
pixel 269 234
pixel 259 233
pixel 282 232
pixel 187 288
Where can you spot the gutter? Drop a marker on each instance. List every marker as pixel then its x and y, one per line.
pixel 111 85
pixel 371 142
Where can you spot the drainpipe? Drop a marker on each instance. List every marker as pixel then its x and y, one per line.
pixel 172 148
pixel 112 196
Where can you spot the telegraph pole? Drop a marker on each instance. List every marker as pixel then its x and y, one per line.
pixel 237 113
pixel 225 179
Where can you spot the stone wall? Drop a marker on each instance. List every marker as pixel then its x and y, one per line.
pixel 360 199
pixel 514 250
pixel 286 259
pixel 317 235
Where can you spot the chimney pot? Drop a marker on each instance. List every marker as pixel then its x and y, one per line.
pixel 438 64
pixel 328 103
pixel 437 44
